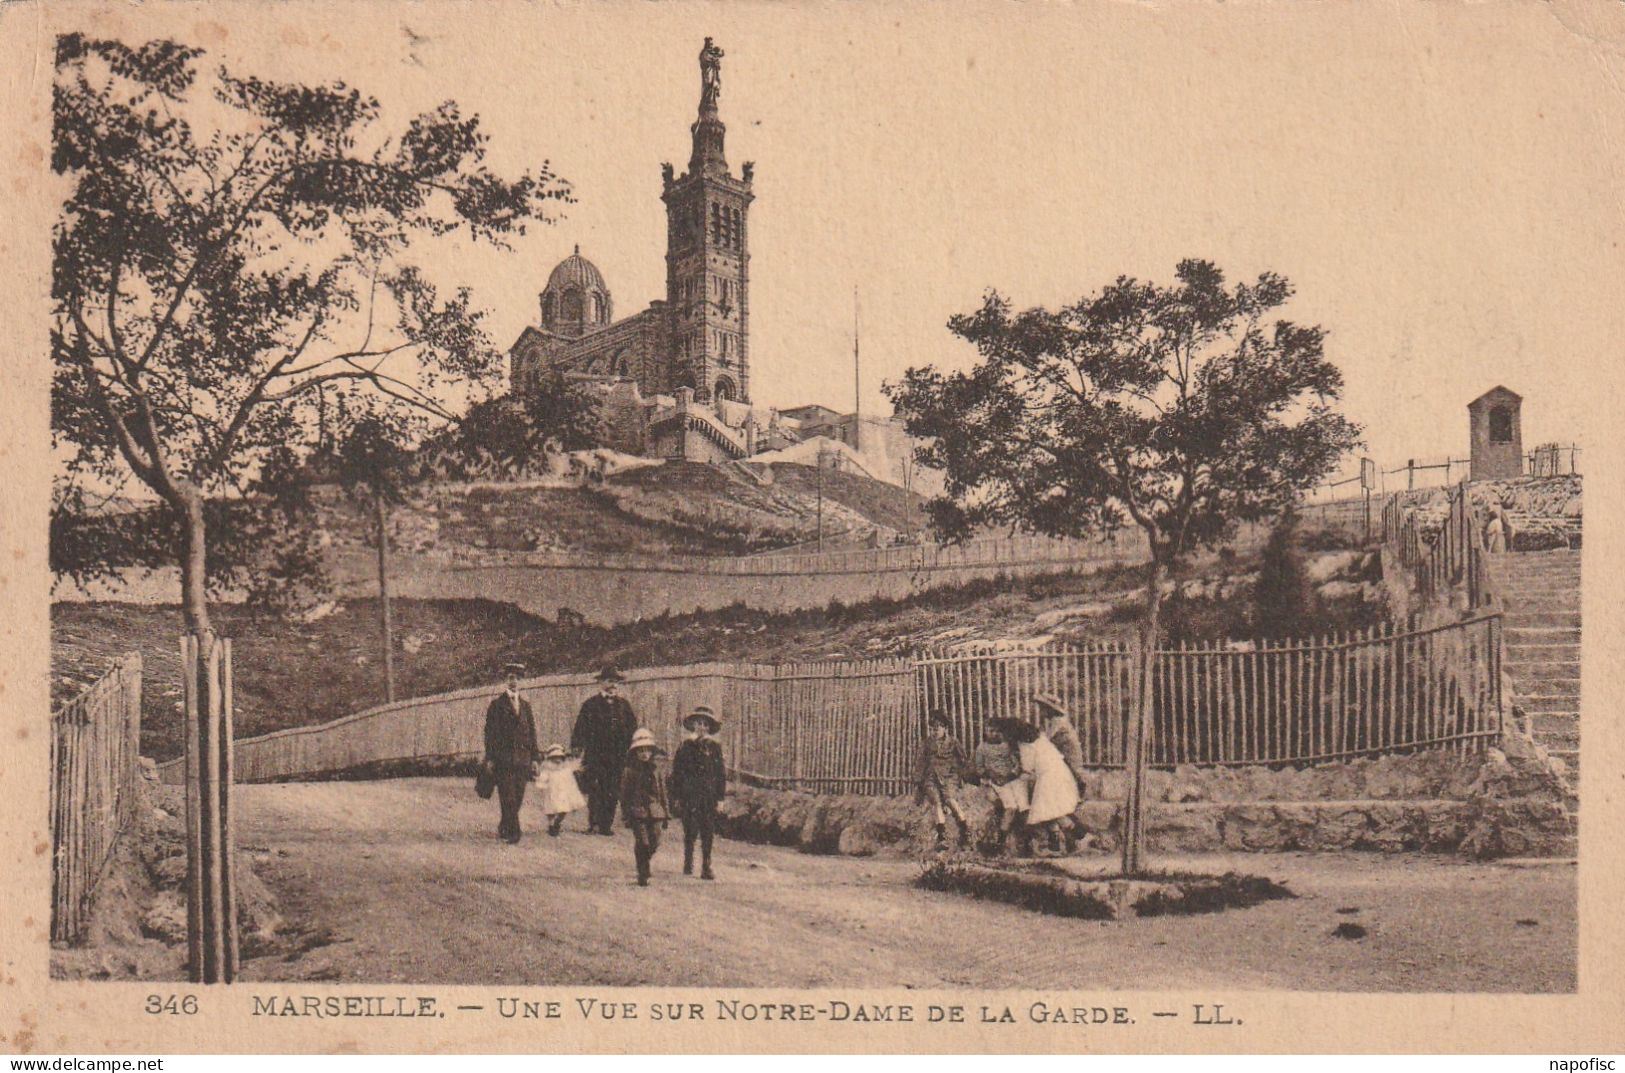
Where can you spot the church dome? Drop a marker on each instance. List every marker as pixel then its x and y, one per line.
pixel 576 300
pixel 576 270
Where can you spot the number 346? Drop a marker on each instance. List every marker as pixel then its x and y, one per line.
pixel 174 1004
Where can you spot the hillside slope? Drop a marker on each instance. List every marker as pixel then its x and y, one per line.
pixel 292 673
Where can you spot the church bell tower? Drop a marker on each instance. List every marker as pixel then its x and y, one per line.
pixel 708 257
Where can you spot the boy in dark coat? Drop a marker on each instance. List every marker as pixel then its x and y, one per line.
pixel 602 736
pixel 643 801
pixel 699 780
pixel 511 755
pixel 939 778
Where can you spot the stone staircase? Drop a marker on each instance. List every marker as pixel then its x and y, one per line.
pixel 1541 594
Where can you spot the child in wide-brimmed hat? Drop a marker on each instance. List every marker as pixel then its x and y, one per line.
pixel 1057 726
pixel 699 780
pixel 561 794
pixel 644 804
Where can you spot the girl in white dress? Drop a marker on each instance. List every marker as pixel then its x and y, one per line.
pixel 560 793
pixel 1054 793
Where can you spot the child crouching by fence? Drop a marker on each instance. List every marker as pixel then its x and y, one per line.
pixel 999 769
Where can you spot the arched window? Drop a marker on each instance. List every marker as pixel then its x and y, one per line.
pixel 736 229
pixel 716 222
pixel 547 308
pixel 1500 424
pixel 724 389
pixel 572 305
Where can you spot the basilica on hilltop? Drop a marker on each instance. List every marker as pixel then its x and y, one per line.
pixel 675 376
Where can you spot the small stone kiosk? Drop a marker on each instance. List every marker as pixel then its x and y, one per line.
pixel 1496 422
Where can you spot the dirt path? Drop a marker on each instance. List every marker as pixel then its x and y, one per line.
pixel 403 881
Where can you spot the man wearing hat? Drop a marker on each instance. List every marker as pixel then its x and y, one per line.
pixel 699 780
pixel 602 735
pixel 511 754
pixel 1058 728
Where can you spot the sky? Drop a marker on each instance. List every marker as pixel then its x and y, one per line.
pixel 1441 187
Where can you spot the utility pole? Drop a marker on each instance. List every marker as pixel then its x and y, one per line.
pixel 857 382
pixel 819 465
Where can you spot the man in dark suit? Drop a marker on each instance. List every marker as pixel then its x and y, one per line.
pixel 602 735
pixel 511 755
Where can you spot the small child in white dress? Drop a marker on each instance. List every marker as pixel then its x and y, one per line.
pixel 560 793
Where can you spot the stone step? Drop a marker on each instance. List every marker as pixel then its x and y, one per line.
pixel 1551 652
pixel 1536 570
pixel 1547 688
pixel 1542 670
pixel 1559 744
pixel 1513 595
pixel 1555 704
pixel 1554 600
pixel 1541 634
pixel 1536 579
pixel 1555 723
pixel 1561 619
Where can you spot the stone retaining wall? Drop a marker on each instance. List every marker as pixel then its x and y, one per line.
pixel 1504 803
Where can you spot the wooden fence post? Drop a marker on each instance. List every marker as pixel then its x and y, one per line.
pixel 211 923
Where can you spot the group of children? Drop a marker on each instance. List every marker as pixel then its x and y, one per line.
pixel 1033 773
pixel 649 798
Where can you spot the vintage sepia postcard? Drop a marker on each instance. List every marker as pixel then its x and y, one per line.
pixel 545 527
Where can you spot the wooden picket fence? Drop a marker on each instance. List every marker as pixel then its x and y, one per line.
pixel 1448 562
pixel 853 726
pixel 1303 701
pixel 95 743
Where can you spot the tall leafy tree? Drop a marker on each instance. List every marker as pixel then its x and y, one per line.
pixel 514 436
pixel 233 253
pixel 1182 409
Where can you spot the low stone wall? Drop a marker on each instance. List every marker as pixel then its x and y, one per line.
pixel 1504 803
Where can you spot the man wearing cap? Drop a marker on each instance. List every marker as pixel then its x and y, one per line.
pixel 510 750
pixel 602 735
pixel 1057 725
pixel 699 780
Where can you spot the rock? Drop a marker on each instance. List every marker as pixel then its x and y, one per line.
pixel 1341 590
pixel 1183 830
pixel 1340 830
pixel 1331 565
pixel 317 612
pixel 165 918
pixel 1186 784
pixel 859 840
pixel 169 873
pixel 1050 619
